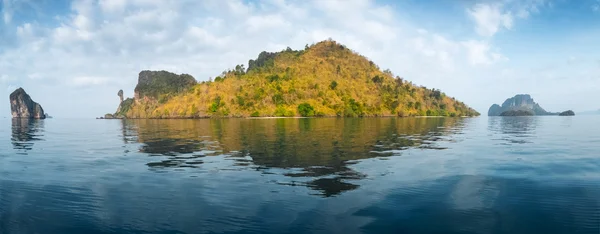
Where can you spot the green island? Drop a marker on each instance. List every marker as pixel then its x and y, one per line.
pixel 325 79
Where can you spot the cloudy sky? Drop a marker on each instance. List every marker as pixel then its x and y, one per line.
pixel 73 56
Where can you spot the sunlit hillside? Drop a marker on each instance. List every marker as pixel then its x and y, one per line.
pixel 324 79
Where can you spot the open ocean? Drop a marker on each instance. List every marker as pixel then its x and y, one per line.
pixel 324 175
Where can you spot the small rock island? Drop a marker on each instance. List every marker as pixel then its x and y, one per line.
pixel 21 106
pixel 522 105
pixel 567 113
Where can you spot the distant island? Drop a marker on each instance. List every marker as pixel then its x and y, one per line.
pixel 522 105
pixel 567 113
pixel 324 79
pixel 23 107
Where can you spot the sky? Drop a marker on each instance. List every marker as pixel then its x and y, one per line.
pixel 73 56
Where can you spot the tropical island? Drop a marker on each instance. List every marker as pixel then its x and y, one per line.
pixel 522 105
pixel 325 79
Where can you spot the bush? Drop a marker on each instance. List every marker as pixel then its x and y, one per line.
pixel 333 85
pixel 306 110
pixel 216 104
pixel 255 114
pixel 355 109
pixel 284 112
pixel 240 100
pixel 377 79
pixel 278 99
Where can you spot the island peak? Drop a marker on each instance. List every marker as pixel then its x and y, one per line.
pixel 323 79
pixel 22 106
pixel 519 105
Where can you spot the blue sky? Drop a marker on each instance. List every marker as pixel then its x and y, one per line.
pixel 73 56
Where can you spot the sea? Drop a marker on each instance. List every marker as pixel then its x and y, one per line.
pixel 301 175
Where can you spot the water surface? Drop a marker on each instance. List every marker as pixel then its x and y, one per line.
pixel 372 175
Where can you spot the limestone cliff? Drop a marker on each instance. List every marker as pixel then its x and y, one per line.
pixel 22 106
pixel 160 85
pixel 521 103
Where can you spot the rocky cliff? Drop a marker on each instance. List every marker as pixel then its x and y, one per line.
pixel 160 85
pixel 22 106
pixel 521 103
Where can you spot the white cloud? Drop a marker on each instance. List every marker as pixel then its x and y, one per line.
pixel 24 31
pixel 479 53
pixel 494 16
pixel 489 18
pixel 105 43
pixel 266 22
pixel 112 6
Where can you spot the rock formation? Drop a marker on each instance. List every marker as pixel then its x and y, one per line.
pixel 158 85
pixel 120 94
pixel 567 113
pixel 22 106
pixel 522 103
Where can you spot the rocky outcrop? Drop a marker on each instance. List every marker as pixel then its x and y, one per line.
pixel 22 106
pixel 160 85
pixel 519 104
pixel 120 94
pixel 567 113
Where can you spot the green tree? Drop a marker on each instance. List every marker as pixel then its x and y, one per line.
pixel 333 85
pixel 306 110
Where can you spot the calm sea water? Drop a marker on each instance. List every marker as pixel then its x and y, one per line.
pixel 372 175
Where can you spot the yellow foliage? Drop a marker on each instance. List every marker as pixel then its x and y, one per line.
pixel 334 80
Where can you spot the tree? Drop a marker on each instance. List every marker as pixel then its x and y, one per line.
pixel 240 70
pixel 306 110
pixel 333 85
pixel 377 79
pixel 120 94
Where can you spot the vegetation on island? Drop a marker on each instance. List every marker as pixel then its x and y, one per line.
pixel 517 113
pixel 324 79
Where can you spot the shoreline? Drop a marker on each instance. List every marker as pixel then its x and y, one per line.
pixel 296 117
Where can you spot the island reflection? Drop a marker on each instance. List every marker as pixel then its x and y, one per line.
pixel 514 129
pixel 318 149
pixel 25 132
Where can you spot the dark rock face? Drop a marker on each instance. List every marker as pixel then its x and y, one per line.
pixel 521 102
pixel 22 106
pixel 567 113
pixel 155 85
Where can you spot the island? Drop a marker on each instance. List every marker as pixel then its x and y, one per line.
pixel 23 107
pixel 567 113
pixel 325 79
pixel 521 105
